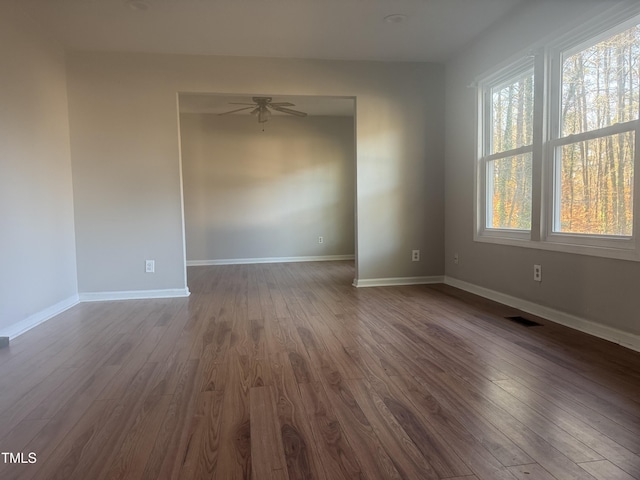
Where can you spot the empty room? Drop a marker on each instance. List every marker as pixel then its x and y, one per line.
pixel 353 239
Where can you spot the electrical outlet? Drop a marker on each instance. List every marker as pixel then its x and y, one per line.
pixel 320 239
pixel 455 258
pixel 537 273
pixel 415 255
pixel 150 266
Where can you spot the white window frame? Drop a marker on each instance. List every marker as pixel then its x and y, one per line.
pixel 547 63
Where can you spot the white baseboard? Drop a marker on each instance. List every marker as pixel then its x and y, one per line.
pixel 38 318
pixel 246 261
pixel 626 339
pixel 390 282
pixel 42 316
pixel 614 335
pixel 134 295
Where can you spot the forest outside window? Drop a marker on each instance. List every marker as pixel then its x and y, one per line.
pixel 558 151
pixel 507 153
pixel 593 144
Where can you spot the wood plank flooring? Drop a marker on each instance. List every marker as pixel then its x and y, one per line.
pixel 286 371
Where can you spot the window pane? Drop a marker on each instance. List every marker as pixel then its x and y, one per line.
pixel 600 84
pixel 512 114
pixel 596 186
pixel 509 193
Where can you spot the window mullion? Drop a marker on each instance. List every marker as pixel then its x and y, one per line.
pixel 539 137
pixel 552 102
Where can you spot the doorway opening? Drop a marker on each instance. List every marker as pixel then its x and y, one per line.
pixel 256 190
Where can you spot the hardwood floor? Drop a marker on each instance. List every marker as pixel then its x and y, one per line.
pixel 286 371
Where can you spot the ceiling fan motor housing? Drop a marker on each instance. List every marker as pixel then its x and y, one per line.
pixel 262 100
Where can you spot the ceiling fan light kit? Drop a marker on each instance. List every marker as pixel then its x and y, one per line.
pixel 262 112
pixel 262 107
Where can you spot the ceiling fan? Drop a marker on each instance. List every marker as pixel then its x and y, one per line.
pixel 261 107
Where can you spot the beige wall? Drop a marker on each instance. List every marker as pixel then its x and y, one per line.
pixel 124 143
pixel 37 249
pixel 255 191
pixel 597 289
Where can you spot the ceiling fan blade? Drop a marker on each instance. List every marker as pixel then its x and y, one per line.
pixel 282 104
pixel 234 111
pixel 240 103
pixel 289 111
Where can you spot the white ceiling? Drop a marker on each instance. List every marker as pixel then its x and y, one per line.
pixel 326 29
pixel 433 30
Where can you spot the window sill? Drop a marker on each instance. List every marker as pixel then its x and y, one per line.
pixel 560 245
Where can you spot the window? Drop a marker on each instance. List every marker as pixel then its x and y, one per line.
pixel 558 147
pixel 508 149
pixel 593 144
